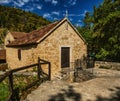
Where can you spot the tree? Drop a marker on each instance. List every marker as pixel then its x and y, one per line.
pixel 105 30
pixel 87 30
pixel 3 33
pixel 16 20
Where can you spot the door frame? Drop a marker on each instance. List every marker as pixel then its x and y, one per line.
pixel 70 57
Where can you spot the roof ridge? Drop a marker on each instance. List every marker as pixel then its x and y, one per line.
pixel 44 26
pixel 34 36
pixel 38 35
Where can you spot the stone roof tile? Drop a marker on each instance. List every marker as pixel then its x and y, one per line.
pixel 17 35
pixel 34 36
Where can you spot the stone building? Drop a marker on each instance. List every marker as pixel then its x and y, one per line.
pixel 59 43
pixel 11 36
pixel 2 56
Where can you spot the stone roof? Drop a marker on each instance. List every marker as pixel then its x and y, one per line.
pixel 34 36
pixel 17 35
pixel 2 54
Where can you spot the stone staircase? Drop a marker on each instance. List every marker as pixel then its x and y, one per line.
pixel 66 74
pixel 59 76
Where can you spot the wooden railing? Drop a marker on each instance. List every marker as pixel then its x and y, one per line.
pixel 9 75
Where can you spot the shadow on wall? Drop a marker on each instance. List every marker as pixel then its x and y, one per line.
pixel 66 95
pixel 114 97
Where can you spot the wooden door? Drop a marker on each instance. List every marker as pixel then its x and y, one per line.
pixel 65 57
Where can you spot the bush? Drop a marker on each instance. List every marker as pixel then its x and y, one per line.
pixel 102 55
pixel 4 91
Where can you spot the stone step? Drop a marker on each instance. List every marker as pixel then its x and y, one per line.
pixel 59 75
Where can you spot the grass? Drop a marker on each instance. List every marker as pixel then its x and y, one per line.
pixel 4 91
pixel 20 84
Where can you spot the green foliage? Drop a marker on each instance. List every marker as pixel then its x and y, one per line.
pixel 86 33
pixel 4 91
pixel 3 32
pixel 105 23
pixel 102 54
pixel 34 69
pixel 19 20
pixel 86 30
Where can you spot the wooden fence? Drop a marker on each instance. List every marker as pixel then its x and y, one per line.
pixel 9 75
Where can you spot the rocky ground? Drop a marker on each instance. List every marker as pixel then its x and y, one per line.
pixel 106 87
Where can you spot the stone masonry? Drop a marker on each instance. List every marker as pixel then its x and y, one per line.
pixel 49 49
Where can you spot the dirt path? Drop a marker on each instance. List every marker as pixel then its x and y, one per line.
pixel 98 89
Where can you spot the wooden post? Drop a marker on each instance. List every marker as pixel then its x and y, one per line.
pixel 11 85
pixel 49 70
pixel 38 69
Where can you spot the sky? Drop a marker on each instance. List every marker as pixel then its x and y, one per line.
pixel 56 9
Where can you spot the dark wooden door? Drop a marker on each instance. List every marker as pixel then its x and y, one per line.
pixel 65 57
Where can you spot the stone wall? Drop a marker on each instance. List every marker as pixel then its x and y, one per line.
pixel 50 49
pixel 111 65
pixel 27 56
pixel 8 38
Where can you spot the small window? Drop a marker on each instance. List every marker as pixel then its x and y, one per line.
pixel 19 54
